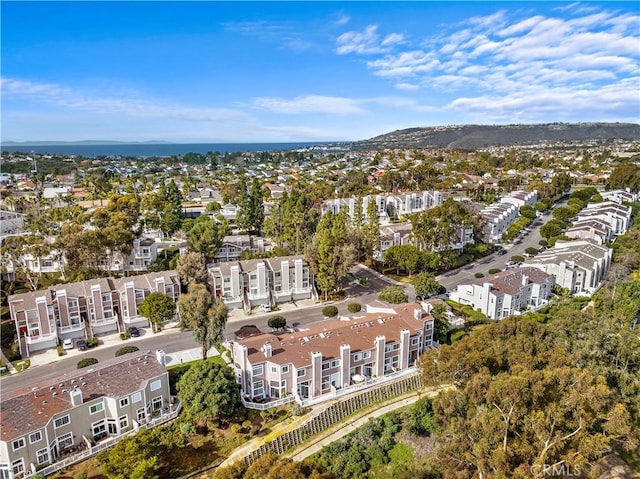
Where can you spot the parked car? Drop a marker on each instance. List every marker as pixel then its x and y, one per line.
pixel 133 331
pixel 81 344
pixel 501 251
pixel 67 344
pixel 266 308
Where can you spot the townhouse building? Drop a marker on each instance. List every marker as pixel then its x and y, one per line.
pixel 390 206
pixel 578 266
pixel 616 215
pixel 498 217
pixel 594 229
pixel 314 363
pixel 80 310
pixel 44 423
pixel 256 282
pixel 506 293
pixel 233 247
pixel 620 196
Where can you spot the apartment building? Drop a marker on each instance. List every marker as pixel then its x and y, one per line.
pixel 316 362
pixel 233 247
pixel 255 282
pixel 616 215
pixel 579 265
pixel 78 310
pixel 499 216
pixel 390 206
pixel 594 229
pixel 620 196
pixel 506 293
pixel 44 423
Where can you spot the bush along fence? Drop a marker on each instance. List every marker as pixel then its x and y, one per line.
pixel 334 414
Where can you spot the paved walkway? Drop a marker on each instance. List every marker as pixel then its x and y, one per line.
pixel 239 314
pixel 381 276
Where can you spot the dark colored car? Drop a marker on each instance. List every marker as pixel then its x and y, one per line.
pixel 133 331
pixel 81 344
pixel 501 251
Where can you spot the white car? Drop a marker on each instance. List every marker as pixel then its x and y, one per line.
pixel 67 344
pixel 266 308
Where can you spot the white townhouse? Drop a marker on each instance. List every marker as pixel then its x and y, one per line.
pixel 312 364
pixel 84 309
pixel 44 423
pixel 594 229
pixel 498 217
pixel 233 247
pixel 255 282
pixel 579 265
pixel 390 206
pixel 506 293
pixel 620 196
pixel 616 215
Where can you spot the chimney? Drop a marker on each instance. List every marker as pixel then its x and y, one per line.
pixel 525 280
pixel 268 351
pixel 417 313
pixel 76 397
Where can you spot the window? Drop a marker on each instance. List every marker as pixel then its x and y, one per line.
pixel 141 414
pixel 156 403
pixel 274 369
pixel 62 421
pixel 257 370
pixel 18 466
pixel 124 422
pixel 99 428
pixel 357 357
pixel 415 341
pixel 136 397
pixel 42 456
pixel 65 441
pixel 335 363
pixel 285 369
pixel 258 388
pixel 18 444
pixel 124 402
pixel 366 354
pixel 302 372
pixel 326 365
pixel 96 408
pixel 35 437
pixel 155 385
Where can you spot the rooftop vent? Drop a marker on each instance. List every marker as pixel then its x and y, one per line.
pixel 55 394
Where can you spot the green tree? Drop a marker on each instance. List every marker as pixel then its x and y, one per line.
pixel 157 308
pixel 528 212
pixel 134 457
pixel 562 213
pixel 393 295
pixel 204 315
pixel 552 228
pixel 330 253
pixel 371 232
pixel 171 218
pixel 206 237
pixel 425 284
pixel 208 392
pixel 192 268
pixel 277 322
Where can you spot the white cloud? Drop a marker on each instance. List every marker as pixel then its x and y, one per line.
pixel 407 86
pixel 366 42
pixel 309 104
pixel 342 19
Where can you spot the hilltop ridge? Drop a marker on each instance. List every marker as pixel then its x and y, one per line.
pixel 478 136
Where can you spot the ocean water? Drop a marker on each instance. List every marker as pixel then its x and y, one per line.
pixel 151 149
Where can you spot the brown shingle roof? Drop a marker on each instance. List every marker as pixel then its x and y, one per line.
pixel 32 407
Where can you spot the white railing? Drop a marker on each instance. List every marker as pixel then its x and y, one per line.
pixel 104 321
pixel 267 405
pixel 40 338
pixel 70 328
pixel 107 443
pixel 334 393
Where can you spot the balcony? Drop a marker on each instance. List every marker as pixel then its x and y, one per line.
pixel 40 338
pixel 71 328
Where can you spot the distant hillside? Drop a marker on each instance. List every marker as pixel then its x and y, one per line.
pixel 478 136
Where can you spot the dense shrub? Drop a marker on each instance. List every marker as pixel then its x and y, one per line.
pixel 494 270
pixel 393 295
pixel 83 363
pixel 92 342
pixel 329 311
pixel 517 259
pixel 479 275
pixel 126 350
pixel 277 322
pixel 354 307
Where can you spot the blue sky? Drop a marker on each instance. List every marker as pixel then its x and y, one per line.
pixel 303 71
